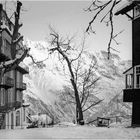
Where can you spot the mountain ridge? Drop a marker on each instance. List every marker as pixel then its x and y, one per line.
pixel 43 84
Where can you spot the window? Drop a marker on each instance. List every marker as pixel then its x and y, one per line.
pixel 18 118
pixel 10 95
pixel 2 97
pixel 138 77
pixel 129 81
pixel 138 81
pixel 137 11
pixel 18 96
pixel 24 113
pixel 138 70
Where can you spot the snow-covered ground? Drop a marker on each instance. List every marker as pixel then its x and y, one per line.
pixel 72 132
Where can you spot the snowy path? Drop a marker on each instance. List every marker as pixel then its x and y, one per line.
pixel 77 132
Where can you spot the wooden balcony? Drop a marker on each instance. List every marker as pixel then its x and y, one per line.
pixel 5 47
pixel 3 108
pixel 21 86
pixel 17 104
pixel 6 107
pixel 131 95
pixel 10 106
pixel 7 82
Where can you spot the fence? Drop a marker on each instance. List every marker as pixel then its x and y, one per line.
pixel 112 119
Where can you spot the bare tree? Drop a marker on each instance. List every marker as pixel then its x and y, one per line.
pixel 86 81
pixel 6 66
pixel 82 81
pixel 104 11
pixel 87 85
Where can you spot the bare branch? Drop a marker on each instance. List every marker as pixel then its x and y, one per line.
pixel 114 50
pixel 100 7
pixel 20 25
pixel 76 70
pixel 37 63
pixel 84 98
pixel 118 34
pixel 16 61
pixel 79 55
pixel 112 27
pixel 12 64
pixel 20 38
pixel 92 105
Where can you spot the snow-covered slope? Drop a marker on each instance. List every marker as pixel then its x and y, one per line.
pixel 44 83
pixel 111 72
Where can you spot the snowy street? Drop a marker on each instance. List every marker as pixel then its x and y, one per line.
pixel 78 132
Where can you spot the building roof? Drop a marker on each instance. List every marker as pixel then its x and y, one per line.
pixel 127 7
pixel 22 68
pixel 127 70
pixel 26 105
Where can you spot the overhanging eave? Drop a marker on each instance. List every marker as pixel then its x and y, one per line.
pixel 127 7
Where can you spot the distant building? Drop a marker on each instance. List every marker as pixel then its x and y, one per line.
pixel 42 119
pixel 132 91
pixel 12 107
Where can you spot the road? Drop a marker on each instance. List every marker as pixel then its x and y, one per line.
pixel 75 133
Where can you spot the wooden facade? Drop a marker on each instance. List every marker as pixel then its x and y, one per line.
pixel 12 110
pixel 132 91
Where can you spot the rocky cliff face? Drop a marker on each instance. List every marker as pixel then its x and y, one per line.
pixel 44 84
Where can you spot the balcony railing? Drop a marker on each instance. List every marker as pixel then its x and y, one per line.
pixel 7 82
pixel 21 86
pixel 129 86
pixel 137 85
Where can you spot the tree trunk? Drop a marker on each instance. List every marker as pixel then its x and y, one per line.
pixel 77 115
pixel 79 112
pixel 16 29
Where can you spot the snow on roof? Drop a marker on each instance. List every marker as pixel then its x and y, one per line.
pixel 127 7
pixel 128 70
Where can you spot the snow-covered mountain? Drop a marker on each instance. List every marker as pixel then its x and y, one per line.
pixel 44 83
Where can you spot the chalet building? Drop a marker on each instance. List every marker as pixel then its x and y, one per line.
pixel 132 91
pixel 12 106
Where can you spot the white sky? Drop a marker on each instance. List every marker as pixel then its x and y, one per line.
pixel 69 17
